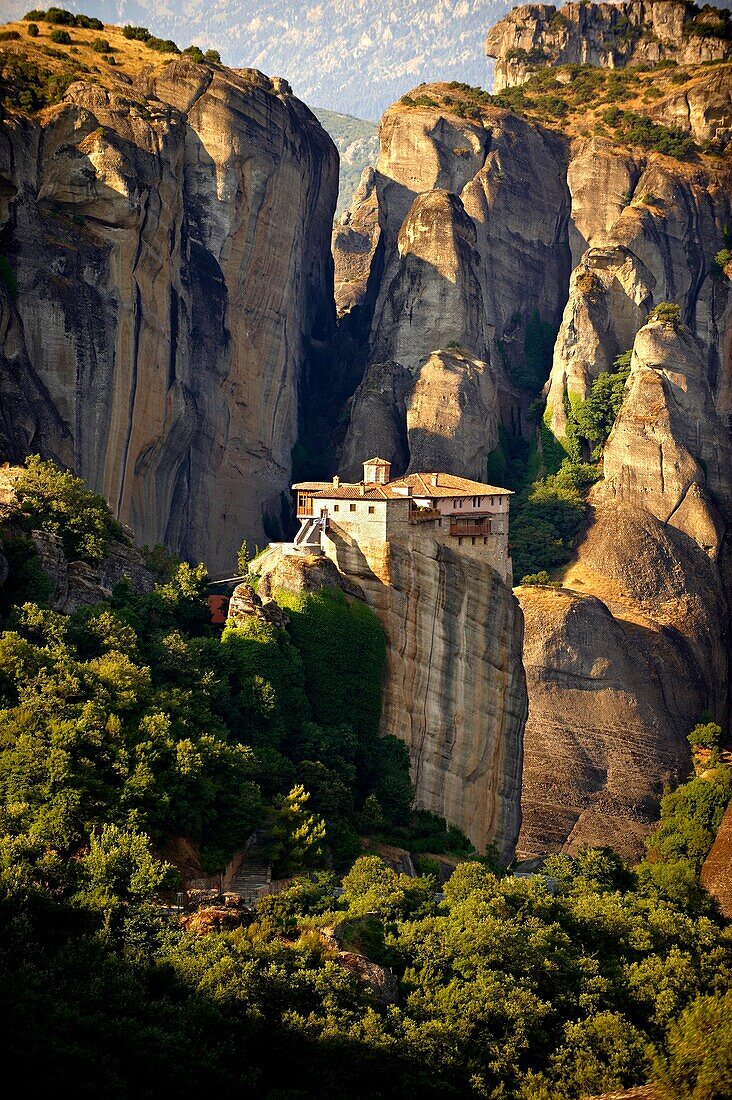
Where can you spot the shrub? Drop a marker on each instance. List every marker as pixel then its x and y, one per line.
pixel 213 57
pixel 705 736
pixel 56 501
pixel 541 578
pixel 722 259
pixel 101 45
pixel 136 34
pixel 668 313
pixel 61 38
pixel 33 30
pixel 9 36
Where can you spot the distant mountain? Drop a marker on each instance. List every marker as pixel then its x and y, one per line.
pixel 358 144
pixel 353 56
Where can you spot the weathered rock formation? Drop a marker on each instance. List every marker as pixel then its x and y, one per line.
pixel 464 227
pixel 621 666
pixel 477 221
pixel 612 36
pixel 643 230
pixel 717 870
pixel 453 688
pixel 169 238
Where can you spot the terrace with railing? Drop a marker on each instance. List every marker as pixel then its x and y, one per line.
pixel 421 515
pixel 466 525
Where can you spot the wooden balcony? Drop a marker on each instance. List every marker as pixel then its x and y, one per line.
pixel 464 525
pixel 422 515
pixel 304 505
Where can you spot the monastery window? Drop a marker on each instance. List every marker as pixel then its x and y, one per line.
pixel 336 508
pixel 472 541
pixel 485 541
pixel 476 502
pixel 371 509
pixel 352 508
pixel 455 502
pixel 460 542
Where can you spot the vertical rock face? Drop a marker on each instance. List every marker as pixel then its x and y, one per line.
pixel 608 35
pixel 471 240
pixel 643 230
pixel 454 688
pixel 621 666
pixel 169 241
pixel 593 233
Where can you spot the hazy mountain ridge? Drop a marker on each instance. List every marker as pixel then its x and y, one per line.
pixel 358 145
pixel 345 57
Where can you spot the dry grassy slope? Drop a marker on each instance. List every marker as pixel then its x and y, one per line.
pixel 584 96
pixel 79 61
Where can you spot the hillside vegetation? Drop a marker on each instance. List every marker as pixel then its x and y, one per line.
pixel 358 145
pixel 581 101
pixel 135 720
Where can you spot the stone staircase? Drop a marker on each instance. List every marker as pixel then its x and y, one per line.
pixel 250 881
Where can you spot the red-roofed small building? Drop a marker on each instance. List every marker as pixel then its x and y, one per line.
pixel 340 519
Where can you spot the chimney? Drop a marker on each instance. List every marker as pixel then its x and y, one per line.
pixel 363 489
pixel 336 482
pixel 376 471
pixel 434 480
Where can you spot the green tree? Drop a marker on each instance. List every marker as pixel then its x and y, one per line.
pixel 698 1064
pixel 297 834
pixel 56 501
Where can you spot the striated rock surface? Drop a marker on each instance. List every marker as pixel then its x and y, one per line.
pixel 602 738
pixel 169 237
pixel 716 873
pixel 609 35
pixel 621 666
pixel 644 230
pixel 454 688
pixel 471 241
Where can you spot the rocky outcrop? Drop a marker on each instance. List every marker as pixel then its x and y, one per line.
pixel 644 230
pixel 245 604
pixel 453 687
pixel 471 241
pixel 622 664
pixel 611 36
pixel 76 584
pixel 602 737
pixel 169 237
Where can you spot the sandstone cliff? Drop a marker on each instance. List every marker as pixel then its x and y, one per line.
pixel 454 688
pixel 625 658
pixel 534 36
pixel 488 233
pixel 168 231
pixel 464 228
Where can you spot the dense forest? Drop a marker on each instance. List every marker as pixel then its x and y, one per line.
pixel 134 721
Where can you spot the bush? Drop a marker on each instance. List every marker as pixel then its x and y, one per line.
pixel 56 501
pixel 61 38
pixel 33 30
pixel 541 578
pixel 668 313
pixel 705 736
pixel 698 1065
pixel 9 36
pixel 100 45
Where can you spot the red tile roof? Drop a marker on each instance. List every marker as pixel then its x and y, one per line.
pixel 448 485
pixel 435 486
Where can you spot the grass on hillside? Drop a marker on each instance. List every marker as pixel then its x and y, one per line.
pixel 581 100
pixel 36 69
